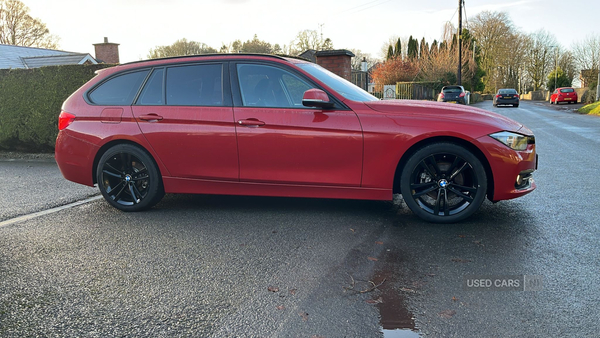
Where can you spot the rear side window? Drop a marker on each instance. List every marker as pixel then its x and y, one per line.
pixel 195 85
pixel 567 90
pixel 119 90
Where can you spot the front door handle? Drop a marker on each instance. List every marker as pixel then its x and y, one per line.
pixel 251 122
pixel 151 117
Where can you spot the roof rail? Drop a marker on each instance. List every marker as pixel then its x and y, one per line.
pixel 279 56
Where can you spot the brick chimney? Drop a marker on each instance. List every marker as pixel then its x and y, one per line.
pixel 337 61
pixel 107 52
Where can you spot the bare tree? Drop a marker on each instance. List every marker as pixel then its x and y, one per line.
pixel 586 53
pixel 358 58
pixel 493 32
pixel 309 39
pixel 18 28
pixel 541 56
pixel 180 48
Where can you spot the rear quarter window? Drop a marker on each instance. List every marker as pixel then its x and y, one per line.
pixel 119 90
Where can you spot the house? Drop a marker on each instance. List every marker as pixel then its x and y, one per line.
pixel 587 77
pixel 30 57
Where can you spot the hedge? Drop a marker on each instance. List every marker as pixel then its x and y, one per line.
pixel 30 102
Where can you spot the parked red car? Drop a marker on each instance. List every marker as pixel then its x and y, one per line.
pixel 273 126
pixel 566 94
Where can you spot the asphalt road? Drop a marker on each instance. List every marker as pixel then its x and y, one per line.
pixel 220 266
pixel 34 183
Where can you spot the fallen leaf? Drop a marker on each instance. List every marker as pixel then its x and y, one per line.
pixel 280 307
pixel 447 314
pixel 304 315
pixel 352 230
pixel 378 242
pixel 292 291
pixel 273 289
pixel 454 298
pixel 372 259
pixel 462 236
pixel 374 301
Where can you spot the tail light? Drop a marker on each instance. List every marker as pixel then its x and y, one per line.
pixel 498 96
pixel 65 119
pixel 516 96
pixel 461 95
pixel 441 95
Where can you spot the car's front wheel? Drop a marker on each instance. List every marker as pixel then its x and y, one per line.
pixel 128 178
pixel 443 183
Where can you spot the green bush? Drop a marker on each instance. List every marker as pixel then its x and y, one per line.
pixel 30 102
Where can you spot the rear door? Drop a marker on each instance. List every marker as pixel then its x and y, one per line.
pixel 281 141
pixel 185 113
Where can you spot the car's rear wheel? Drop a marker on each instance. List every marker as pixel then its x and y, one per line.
pixel 443 183
pixel 128 178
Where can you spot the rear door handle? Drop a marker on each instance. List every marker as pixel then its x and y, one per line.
pixel 151 117
pixel 251 122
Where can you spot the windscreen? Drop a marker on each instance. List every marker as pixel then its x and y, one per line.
pixel 344 87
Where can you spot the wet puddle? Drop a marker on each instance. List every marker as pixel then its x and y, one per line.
pixel 396 320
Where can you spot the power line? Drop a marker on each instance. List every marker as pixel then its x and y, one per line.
pixel 372 3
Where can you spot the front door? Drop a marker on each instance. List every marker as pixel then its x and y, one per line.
pixel 281 141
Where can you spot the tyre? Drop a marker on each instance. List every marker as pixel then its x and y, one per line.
pixel 443 183
pixel 129 179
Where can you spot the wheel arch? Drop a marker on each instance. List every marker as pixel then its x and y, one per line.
pixel 113 143
pixel 449 139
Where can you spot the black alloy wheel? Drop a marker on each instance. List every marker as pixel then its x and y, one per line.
pixel 128 178
pixel 443 183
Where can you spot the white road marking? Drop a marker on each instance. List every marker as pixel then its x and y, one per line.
pixel 49 211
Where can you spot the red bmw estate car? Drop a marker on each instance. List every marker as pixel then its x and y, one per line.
pixel 274 126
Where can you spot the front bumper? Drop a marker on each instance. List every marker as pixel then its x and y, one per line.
pixel 508 166
pixel 507 101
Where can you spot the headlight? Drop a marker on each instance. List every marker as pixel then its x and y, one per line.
pixel 513 140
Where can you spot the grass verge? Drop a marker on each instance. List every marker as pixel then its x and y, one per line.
pixel 591 109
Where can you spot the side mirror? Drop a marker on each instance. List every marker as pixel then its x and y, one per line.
pixel 316 98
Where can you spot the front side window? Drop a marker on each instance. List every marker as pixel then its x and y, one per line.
pixel 119 90
pixel 344 87
pixel 195 85
pixel 268 86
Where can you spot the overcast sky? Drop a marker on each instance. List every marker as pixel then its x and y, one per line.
pixel 140 25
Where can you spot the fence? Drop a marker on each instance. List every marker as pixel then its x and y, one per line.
pixel 361 79
pixel 410 90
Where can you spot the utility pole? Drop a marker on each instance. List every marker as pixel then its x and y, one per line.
pixel 598 86
pixel 555 64
pixel 459 72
